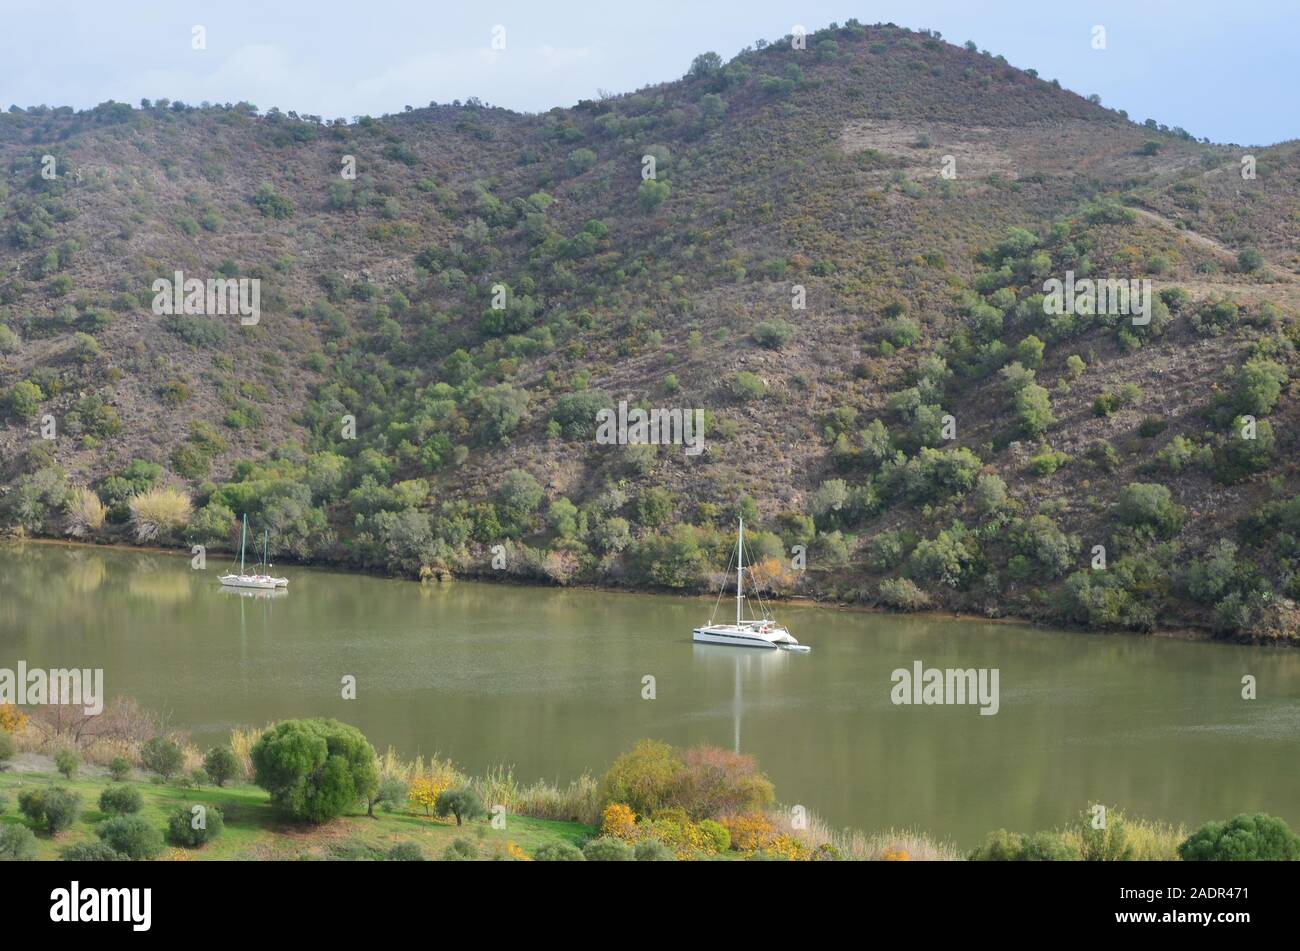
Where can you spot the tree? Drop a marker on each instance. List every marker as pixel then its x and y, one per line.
pixel 461 803
pixel 1258 386
pixel 162 756
pixel 1033 409
pixel 705 65
pixel 56 807
pixel 607 849
pixel 315 769
pixel 1149 505
pixel 1244 838
pixel 221 764
pixel 119 768
pixel 66 762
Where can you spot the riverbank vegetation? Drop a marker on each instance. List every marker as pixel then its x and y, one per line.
pixel 316 789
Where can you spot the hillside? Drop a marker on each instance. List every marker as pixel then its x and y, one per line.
pixel 782 169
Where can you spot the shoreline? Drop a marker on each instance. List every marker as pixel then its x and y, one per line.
pixel 1180 633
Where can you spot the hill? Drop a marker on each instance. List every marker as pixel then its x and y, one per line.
pixel 436 335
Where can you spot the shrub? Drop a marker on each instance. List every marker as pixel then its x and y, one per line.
pixel 1106 844
pixel 17 844
pixel 607 849
pixel 652 850
pixel 642 778
pixel 132 836
pixel 460 850
pixel 57 808
pixel 1033 410
pixel 902 594
pixel 159 513
pixel 712 781
pixel 618 821
pixel 162 756
pixel 194 825
pixel 652 194
pixel 92 852
pixel 1258 386
pixel 24 399
pixel 66 762
pixel 84 511
pixel 315 769
pixel 1047 462
pixel 747 386
pixel 1149 505
pixel 1004 846
pixel 221 764
pixel 119 768
pixel 461 803
pixel 1244 838
pixel 405 852
pixel 1250 260
pixel 558 852
pixel 719 837
pixel 772 334
pixel 120 800
pixel 270 204
pixel 393 792
pixel 7 748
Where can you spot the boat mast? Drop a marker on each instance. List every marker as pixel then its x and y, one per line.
pixel 266 540
pixel 740 566
pixel 243 535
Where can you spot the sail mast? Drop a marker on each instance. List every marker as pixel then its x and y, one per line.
pixel 243 536
pixel 740 566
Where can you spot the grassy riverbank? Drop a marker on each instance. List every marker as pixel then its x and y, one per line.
pixel 255 831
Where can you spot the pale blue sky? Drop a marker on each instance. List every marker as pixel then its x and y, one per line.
pixel 1228 71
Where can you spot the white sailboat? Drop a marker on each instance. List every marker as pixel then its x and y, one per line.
pixel 756 632
pixel 255 580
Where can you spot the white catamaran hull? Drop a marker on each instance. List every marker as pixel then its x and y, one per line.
pixel 744 636
pixel 263 582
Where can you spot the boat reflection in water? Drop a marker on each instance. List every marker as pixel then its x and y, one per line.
pixel 763 667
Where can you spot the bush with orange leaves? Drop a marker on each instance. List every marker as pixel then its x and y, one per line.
pixel 618 821
pixel 893 854
pixel 750 831
pixel 771 576
pixel 425 790
pixel 12 720
pixel 713 782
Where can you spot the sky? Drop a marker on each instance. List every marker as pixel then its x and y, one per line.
pixel 1226 71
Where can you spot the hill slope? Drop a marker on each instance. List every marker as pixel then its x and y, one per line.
pixel 921 426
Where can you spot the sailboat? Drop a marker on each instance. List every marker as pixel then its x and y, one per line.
pixel 255 580
pixel 756 632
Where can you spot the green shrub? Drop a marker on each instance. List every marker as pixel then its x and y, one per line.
pixel 461 803
pixel 132 836
pixel 608 849
pixel 55 807
pixel 1149 505
pixel 194 825
pixel 315 769
pixel 1004 846
pixel 92 852
pixel 270 204
pixel 1110 843
pixel 643 777
pixel 772 334
pixel 902 594
pixel 406 852
pixel 17 844
pixel 66 762
pixel 558 852
pixel 162 756
pixel 717 833
pixel 120 800
pixel 460 850
pixel 222 765
pixel 7 747
pixel 1244 838
pixel 119 768
pixel 652 850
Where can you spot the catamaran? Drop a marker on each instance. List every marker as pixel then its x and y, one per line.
pixel 755 632
pixel 254 580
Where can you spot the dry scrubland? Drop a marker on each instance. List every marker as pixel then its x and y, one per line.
pixel 817 168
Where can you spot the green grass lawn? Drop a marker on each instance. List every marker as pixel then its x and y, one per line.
pixel 254 830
